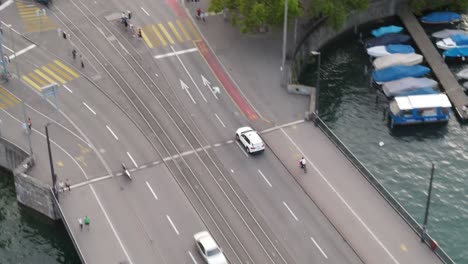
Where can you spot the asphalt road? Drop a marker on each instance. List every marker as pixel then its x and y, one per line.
pixel 152 108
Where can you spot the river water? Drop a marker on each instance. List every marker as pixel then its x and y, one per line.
pixel 403 164
pixel 28 237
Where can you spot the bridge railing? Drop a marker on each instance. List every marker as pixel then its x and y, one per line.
pixel 428 240
pixel 67 227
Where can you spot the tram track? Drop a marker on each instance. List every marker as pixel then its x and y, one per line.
pixel 189 181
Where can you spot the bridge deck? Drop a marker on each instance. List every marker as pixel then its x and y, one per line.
pixel 446 78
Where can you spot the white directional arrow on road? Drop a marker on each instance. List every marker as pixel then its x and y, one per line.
pixel 186 88
pixel 214 90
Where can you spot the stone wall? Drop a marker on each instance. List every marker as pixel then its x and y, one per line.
pixel 30 192
pixel 319 33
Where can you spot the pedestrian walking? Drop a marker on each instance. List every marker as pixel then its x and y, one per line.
pixel 61 186
pixel 140 33
pixel 129 14
pixel 203 14
pixel 29 123
pixel 82 63
pixel 132 29
pixel 67 185
pixel 86 221
pixel 80 222
pixel 199 13
pixel 74 54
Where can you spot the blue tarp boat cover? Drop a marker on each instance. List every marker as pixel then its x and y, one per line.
pixel 460 40
pixel 405 85
pixel 398 72
pixel 390 38
pixel 441 17
pixel 426 90
pixel 385 30
pixel 456 52
pixel 399 48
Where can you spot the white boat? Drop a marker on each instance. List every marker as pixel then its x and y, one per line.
pixel 379 51
pixel 408 84
pixel 463 74
pixel 455 41
pixel 397 59
pixel 447 33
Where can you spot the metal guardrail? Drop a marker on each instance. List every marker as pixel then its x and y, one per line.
pixel 67 227
pixel 428 240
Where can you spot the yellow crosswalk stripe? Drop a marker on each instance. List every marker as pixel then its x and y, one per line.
pixel 156 31
pixel 163 29
pixel 174 30
pixel 43 75
pixel 5 100
pixel 192 28
pixel 2 106
pixel 9 95
pixel 59 71
pixel 37 79
pixel 145 38
pixel 182 28
pixel 151 36
pixel 55 76
pixel 73 73
pixel 30 82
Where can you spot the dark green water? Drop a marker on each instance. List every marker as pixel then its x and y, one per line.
pixel 28 237
pixel 348 105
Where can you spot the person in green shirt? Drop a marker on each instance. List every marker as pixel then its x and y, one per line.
pixel 86 221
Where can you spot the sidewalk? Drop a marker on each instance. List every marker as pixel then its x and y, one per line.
pixel 368 223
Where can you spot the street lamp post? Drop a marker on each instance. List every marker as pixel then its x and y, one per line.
pixel 317 84
pixel 54 176
pixel 428 203
pixel 285 33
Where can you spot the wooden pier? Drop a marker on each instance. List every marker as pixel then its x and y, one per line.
pixel 445 77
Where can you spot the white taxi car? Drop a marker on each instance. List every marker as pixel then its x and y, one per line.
pixel 250 140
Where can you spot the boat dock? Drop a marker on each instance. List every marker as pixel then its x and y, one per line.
pixel 446 78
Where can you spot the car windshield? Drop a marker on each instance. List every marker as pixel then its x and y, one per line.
pixel 213 252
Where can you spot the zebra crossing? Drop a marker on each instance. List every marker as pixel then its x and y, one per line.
pixel 54 72
pixel 34 18
pixel 170 33
pixel 7 99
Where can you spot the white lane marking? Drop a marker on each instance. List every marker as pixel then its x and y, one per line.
pixel 130 156
pixel 172 224
pixel 217 145
pixel 290 211
pixel 317 245
pixel 170 54
pixel 242 149
pixel 282 126
pixel 89 108
pixel 151 190
pixel 186 88
pixel 191 256
pixel 343 200
pixel 143 166
pixel 144 11
pixel 112 132
pixel 188 73
pixel 30 47
pixel 265 178
pixel 66 87
pixel 219 119
pixel 155 162
pixel 229 141
pixel 10 50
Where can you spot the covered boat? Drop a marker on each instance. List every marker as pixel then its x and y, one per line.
pixel 456 53
pixel 447 33
pixel 442 17
pixel 399 72
pixel 390 38
pixel 406 85
pixel 379 51
pixel 463 74
pixel 385 30
pixel 397 59
pixel 416 109
pixel 455 41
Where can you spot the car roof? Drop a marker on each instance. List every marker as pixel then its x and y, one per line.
pixel 254 137
pixel 207 241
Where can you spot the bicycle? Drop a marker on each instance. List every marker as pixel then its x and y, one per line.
pixel 6 76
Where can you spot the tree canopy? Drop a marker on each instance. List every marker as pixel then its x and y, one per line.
pixel 455 5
